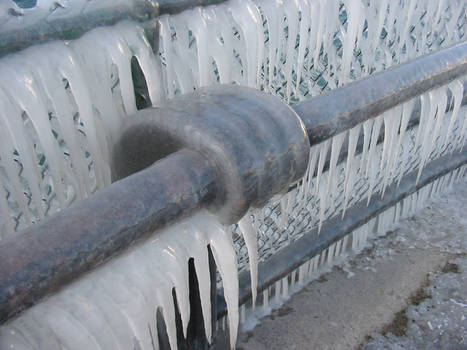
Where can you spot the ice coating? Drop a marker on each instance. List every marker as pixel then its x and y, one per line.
pixel 114 306
pixel 69 100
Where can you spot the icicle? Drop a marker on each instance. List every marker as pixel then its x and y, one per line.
pixel 367 127
pixel 331 253
pixel 314 153
pixel 406 113
pixel 344 244
pixel 246 14
pixel 302 273
pixel 350 169
pixel 354 28
pixel 242 314
pixel 457 90
pixel 277 291
pixel 337 251
pixel 391 125
pixel 249 235
pixel 291 13
pixel 371 168
pixel 337 142
pixel 428 129
pixel 305 22
pixel 323 257
pixel 323 152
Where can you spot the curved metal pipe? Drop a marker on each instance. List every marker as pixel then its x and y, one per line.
pixel 234 147
pixel 258 144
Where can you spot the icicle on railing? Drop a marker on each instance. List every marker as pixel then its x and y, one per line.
pixel 115 306
pixel 295 49
pixel 80 91
pixel 61 112
pixel 384 145
pixel 382 163
pixel 353 243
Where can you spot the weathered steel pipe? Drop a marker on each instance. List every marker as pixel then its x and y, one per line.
pixel 327 115
pixel 258 144
pixel 225 148
pixel 68 22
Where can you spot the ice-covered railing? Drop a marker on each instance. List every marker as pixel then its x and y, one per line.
pixel 91 80
pixel 66 324
pixel 82 89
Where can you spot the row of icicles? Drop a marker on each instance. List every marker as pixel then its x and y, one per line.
pixel 114 306
pixel 64 102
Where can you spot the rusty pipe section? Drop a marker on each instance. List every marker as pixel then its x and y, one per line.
pixel 328 115
pixel 225 148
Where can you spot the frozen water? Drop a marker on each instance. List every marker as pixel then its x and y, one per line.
pixel 80 91
pixel 64 103
pixel 114 306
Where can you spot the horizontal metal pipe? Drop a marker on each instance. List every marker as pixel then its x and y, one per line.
pixel 51 253
pixel 328 115
pixel 297 253
pixel 49 27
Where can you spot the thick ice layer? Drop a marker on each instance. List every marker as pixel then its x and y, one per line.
pixel 114 306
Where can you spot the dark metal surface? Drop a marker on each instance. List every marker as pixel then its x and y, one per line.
pixel 53 252
pixel 258 144
pixel 341 109
pixel 311 244
pixel 73 26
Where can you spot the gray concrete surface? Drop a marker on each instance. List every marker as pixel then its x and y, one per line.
pixel 354 305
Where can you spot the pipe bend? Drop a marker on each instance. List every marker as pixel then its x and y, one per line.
pixel 257 144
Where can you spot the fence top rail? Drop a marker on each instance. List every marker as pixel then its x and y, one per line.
pixel 26 23
pixel 338 110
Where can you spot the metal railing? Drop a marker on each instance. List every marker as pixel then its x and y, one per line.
pixel 157 189
pixel 76 18
pixel 43 258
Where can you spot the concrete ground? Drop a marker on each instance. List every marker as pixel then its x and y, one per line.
pixel 374 300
